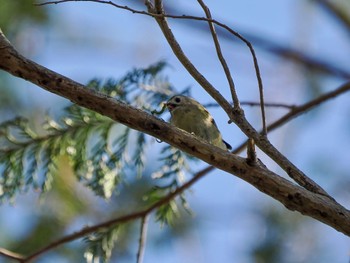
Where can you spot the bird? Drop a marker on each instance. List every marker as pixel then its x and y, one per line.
pixel 191 116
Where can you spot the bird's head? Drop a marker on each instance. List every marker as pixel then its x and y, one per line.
pixel 178 101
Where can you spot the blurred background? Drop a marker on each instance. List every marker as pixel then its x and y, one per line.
pixel 303 49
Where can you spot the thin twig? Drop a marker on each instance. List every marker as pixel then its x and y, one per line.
pixel 319 206
pixel 126 218
pixel 253 104
pixel 142 239
pixel 235 116
pixel 9 254
pixel 251 152
pixel 310 105
pixel 158 4
pixel 301 109
pixel 220 55
pixel 266 44
pixel 295 112
pixel 160 15
pixel 286 52
pixel 179 53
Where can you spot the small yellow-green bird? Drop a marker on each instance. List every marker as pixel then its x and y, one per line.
pixel 191 116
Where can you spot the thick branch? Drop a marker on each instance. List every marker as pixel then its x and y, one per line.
pixel 293 197
pixel 235 115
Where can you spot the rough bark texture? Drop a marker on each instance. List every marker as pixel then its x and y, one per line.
pixel 293 197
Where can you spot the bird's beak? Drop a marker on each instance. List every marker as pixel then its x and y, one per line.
pixel 170 106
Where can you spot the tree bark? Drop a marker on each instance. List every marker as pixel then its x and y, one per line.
pixel 293 197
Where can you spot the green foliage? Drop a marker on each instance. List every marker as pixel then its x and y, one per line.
pixel 14 14
pixel 100 244
pixel 101 152
pixel 22 155
pixel 172 175
pixel 98 147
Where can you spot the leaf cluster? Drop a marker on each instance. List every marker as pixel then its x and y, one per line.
pixel 100 244
pixel 101 152
pixel 99 149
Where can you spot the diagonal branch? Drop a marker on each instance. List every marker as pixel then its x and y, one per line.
pixel 186 62
pixel 12 255
pixel 321 207
pixel 251 153
pixel 301 109
pixel 295 111
pixel 236 116
pixel 179 53
pixel 226 32
pixel 143 214
pixel 310 105
pixel 220 55
pixel 254 103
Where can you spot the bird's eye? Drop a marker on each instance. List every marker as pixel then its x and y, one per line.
pixel 177 100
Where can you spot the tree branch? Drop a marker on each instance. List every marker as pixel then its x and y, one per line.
pixel 253 104
pixel 220 55
pixel 226 32
pixel 142 239
pixel 320 207
pixel 236 116
pixel 227 71
pixel 283 51
pixel 298 110
pixel 160 16
pixel 12 255
pixel 126 218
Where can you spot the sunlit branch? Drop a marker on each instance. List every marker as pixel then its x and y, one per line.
pixel 142 239
pixel 12 255
pixel 235 116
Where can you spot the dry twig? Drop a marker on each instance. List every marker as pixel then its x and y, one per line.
pixel 320 207
pixel 220 56
pixel 142 239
